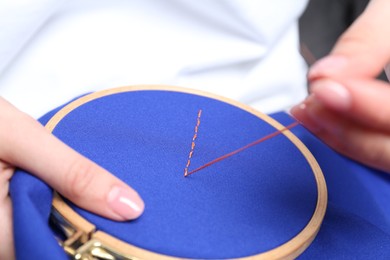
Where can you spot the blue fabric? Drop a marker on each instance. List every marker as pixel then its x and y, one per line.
pixel 357 221
pixel 244 205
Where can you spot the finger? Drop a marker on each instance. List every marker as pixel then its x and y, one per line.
pixel 363 101
pixel 299 113
pixel 26 144
pixel 6 239
pixel 363 50
pixel 365 145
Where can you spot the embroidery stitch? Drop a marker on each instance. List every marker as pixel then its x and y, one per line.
pixel 193 143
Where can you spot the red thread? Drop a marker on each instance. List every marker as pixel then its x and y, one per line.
pixel 223 157
pixel 193 143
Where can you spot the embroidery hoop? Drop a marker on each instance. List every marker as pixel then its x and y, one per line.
pixel 79 230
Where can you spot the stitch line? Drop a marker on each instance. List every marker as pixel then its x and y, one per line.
pixel 223 157
pixel 193 143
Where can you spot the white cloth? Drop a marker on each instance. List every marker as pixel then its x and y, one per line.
pixel 52 50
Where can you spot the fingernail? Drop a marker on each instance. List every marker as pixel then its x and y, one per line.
pixel 331 94
pixel 296 111
pixel 125 203
pixel 300 113
pixel 327 66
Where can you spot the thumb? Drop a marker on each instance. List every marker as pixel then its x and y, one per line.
pixel 363 50
pixel 27 144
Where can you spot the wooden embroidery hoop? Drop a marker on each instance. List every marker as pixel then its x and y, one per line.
pixel 85 242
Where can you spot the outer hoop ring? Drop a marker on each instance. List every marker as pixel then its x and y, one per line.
pixel 288 250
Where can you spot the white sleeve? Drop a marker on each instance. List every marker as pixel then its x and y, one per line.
pixel 19 21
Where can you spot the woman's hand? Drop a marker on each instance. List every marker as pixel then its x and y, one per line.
pixel 348 108
pixel 26 144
